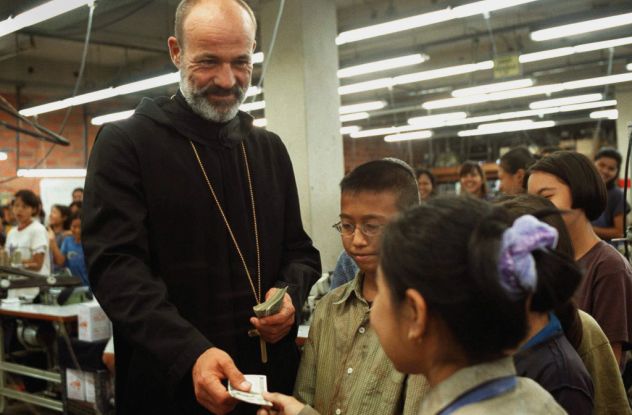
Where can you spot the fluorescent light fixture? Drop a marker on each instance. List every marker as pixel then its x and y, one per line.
pixel 38 14
pixel 571 50
pixel 51 172
pixel 587 106
pixel 436 120
pixel 354 117
pixel 3 155
pixel 257 57
pixel 495 87
pixel 364 106
pixel 609 114
pixel 110 92
pixel 502 126
pixel 628 67
pixel 384 131
pixel 426 19
pixel 415 135
pixel 382 65
pixel 515 127
pixel 601 80
pixel 415 77
pixel 260 122
pixel 115 116
pixel 586 26
pixel 454 102
pixel 252 106
pixel 557 102
pixel 349 129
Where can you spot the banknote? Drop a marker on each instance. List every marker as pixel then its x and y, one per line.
pixel 259 385
pixel 272 305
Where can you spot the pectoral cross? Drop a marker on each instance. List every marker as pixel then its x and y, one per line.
pixel 262 344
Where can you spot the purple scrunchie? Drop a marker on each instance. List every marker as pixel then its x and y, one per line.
pixel 516 266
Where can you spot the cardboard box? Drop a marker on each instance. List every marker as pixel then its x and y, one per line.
pixel 75 384
pixel 93 324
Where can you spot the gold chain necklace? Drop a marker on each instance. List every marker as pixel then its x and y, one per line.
pixel 256 293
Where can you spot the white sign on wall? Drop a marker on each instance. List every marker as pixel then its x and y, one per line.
pixel 58 191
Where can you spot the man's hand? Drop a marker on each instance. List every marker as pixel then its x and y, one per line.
pixel 273 328
pixel 283 405
pixel 208 371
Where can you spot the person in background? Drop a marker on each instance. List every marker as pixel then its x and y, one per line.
pixel 59 224
pixel 28 239
pixel 426 183
pixel 571 181
pixel 75 207
pixel 77 194
pixel 70 254
pixel 361 379
pixel 545 151
pixel 512 170
pixel 546 355
pixel 453 284
pixel 473 180
pixel 609 224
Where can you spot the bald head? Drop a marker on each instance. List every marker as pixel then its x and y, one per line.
pixel 232 7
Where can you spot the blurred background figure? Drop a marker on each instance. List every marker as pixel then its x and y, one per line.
pixel 426 183
pixel 512 170
pixel 77 194
pixel 473 180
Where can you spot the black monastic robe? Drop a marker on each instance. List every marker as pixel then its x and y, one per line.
pixel 161 262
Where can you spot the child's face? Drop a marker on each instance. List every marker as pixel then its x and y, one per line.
pixel 75 228
pixel 23 213
pixel 370 209
pixel 55 217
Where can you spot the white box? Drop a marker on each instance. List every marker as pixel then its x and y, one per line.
pixel 91 395
pixel 75 384
pixel 93 324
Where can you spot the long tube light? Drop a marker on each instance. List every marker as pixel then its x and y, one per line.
pixel 39 14
pixel 382 65
pixel 430 121
pixel 385 131
pixel 586 26
pixel 609 114
pixel 115 116
pixel 526 125
pixel 495 87
pixel 51 173
pixel 364 106
pixel 354 116
pixel 557 102
pixel 349 129
pixel 628 67
pixel 524 92
pixel 426 19
pixel 415 135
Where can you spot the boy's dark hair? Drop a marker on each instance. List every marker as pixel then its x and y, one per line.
pixel 387 175
pixel 29 199
pixel 470 166
pixel 580 174
pixel 611 153
pixel 65 213
pixel 516 159
pixel 447 249
pixel 78 189
pixel 77 203
pixel 76 215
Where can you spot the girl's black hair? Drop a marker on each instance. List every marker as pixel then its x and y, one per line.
pixel 447 250
pixel 29 199
pixel 516 159
pixel 580 175
pixel 473 167
pixel 65 214
pixel 611 153
pixel 73 216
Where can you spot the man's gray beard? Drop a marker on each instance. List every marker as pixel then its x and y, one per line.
pixel 202 107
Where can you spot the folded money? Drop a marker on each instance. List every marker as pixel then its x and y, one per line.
pixel 272 305
pixel 254 396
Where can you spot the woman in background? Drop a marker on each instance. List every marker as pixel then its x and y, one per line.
pixel 70 254
pixel 512 170
pixel 426 183
pixel 473 180
pixel 610 224
pixel 59 224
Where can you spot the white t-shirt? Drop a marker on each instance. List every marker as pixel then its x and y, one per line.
pixel 31 240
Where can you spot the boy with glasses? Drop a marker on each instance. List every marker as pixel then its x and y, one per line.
pixel 343 369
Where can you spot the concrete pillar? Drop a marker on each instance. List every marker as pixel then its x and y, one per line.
pixel 302 106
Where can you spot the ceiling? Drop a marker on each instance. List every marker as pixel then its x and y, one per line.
pixel 128 43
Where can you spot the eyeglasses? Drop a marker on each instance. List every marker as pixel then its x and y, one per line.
pixel 367 229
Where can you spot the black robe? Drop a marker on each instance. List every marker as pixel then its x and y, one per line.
pixel 161 262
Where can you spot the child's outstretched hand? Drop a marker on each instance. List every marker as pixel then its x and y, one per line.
pixel 283 405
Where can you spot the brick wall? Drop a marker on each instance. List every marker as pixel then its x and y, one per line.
pixel 32 150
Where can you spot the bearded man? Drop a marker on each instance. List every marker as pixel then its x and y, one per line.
pixel 191 218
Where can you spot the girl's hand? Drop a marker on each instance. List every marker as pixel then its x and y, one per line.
pixel 283 405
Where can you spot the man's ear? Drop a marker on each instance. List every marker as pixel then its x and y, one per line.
pixel 416 315
pixel 520 173
pixel 175 51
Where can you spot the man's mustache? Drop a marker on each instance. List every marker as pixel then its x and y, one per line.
pixel 236 91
